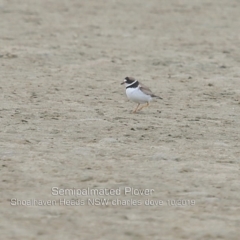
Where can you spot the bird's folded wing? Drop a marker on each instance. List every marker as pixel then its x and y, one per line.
pixel 145 89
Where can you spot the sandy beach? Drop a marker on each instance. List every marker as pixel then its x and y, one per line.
pixel 76 163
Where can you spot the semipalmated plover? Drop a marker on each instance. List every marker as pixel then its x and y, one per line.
pixel 138 93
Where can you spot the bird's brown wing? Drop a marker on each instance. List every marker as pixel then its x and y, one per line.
pixel 147 91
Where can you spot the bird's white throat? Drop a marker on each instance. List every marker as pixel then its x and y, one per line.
pixel 131 84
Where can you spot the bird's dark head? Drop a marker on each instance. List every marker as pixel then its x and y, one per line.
pixel 128 80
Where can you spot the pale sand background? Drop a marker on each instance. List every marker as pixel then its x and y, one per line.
pixel 66 122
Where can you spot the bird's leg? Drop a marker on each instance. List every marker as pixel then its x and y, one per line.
pixel 143 107
pixel 136 109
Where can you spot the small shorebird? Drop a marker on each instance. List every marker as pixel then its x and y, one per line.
pixel 138 93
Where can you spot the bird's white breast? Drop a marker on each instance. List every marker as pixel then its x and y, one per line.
pixel 136 95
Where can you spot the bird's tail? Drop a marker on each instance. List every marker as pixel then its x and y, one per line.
pixel 156 96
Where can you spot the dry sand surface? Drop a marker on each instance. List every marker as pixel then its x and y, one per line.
pixel 66 121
